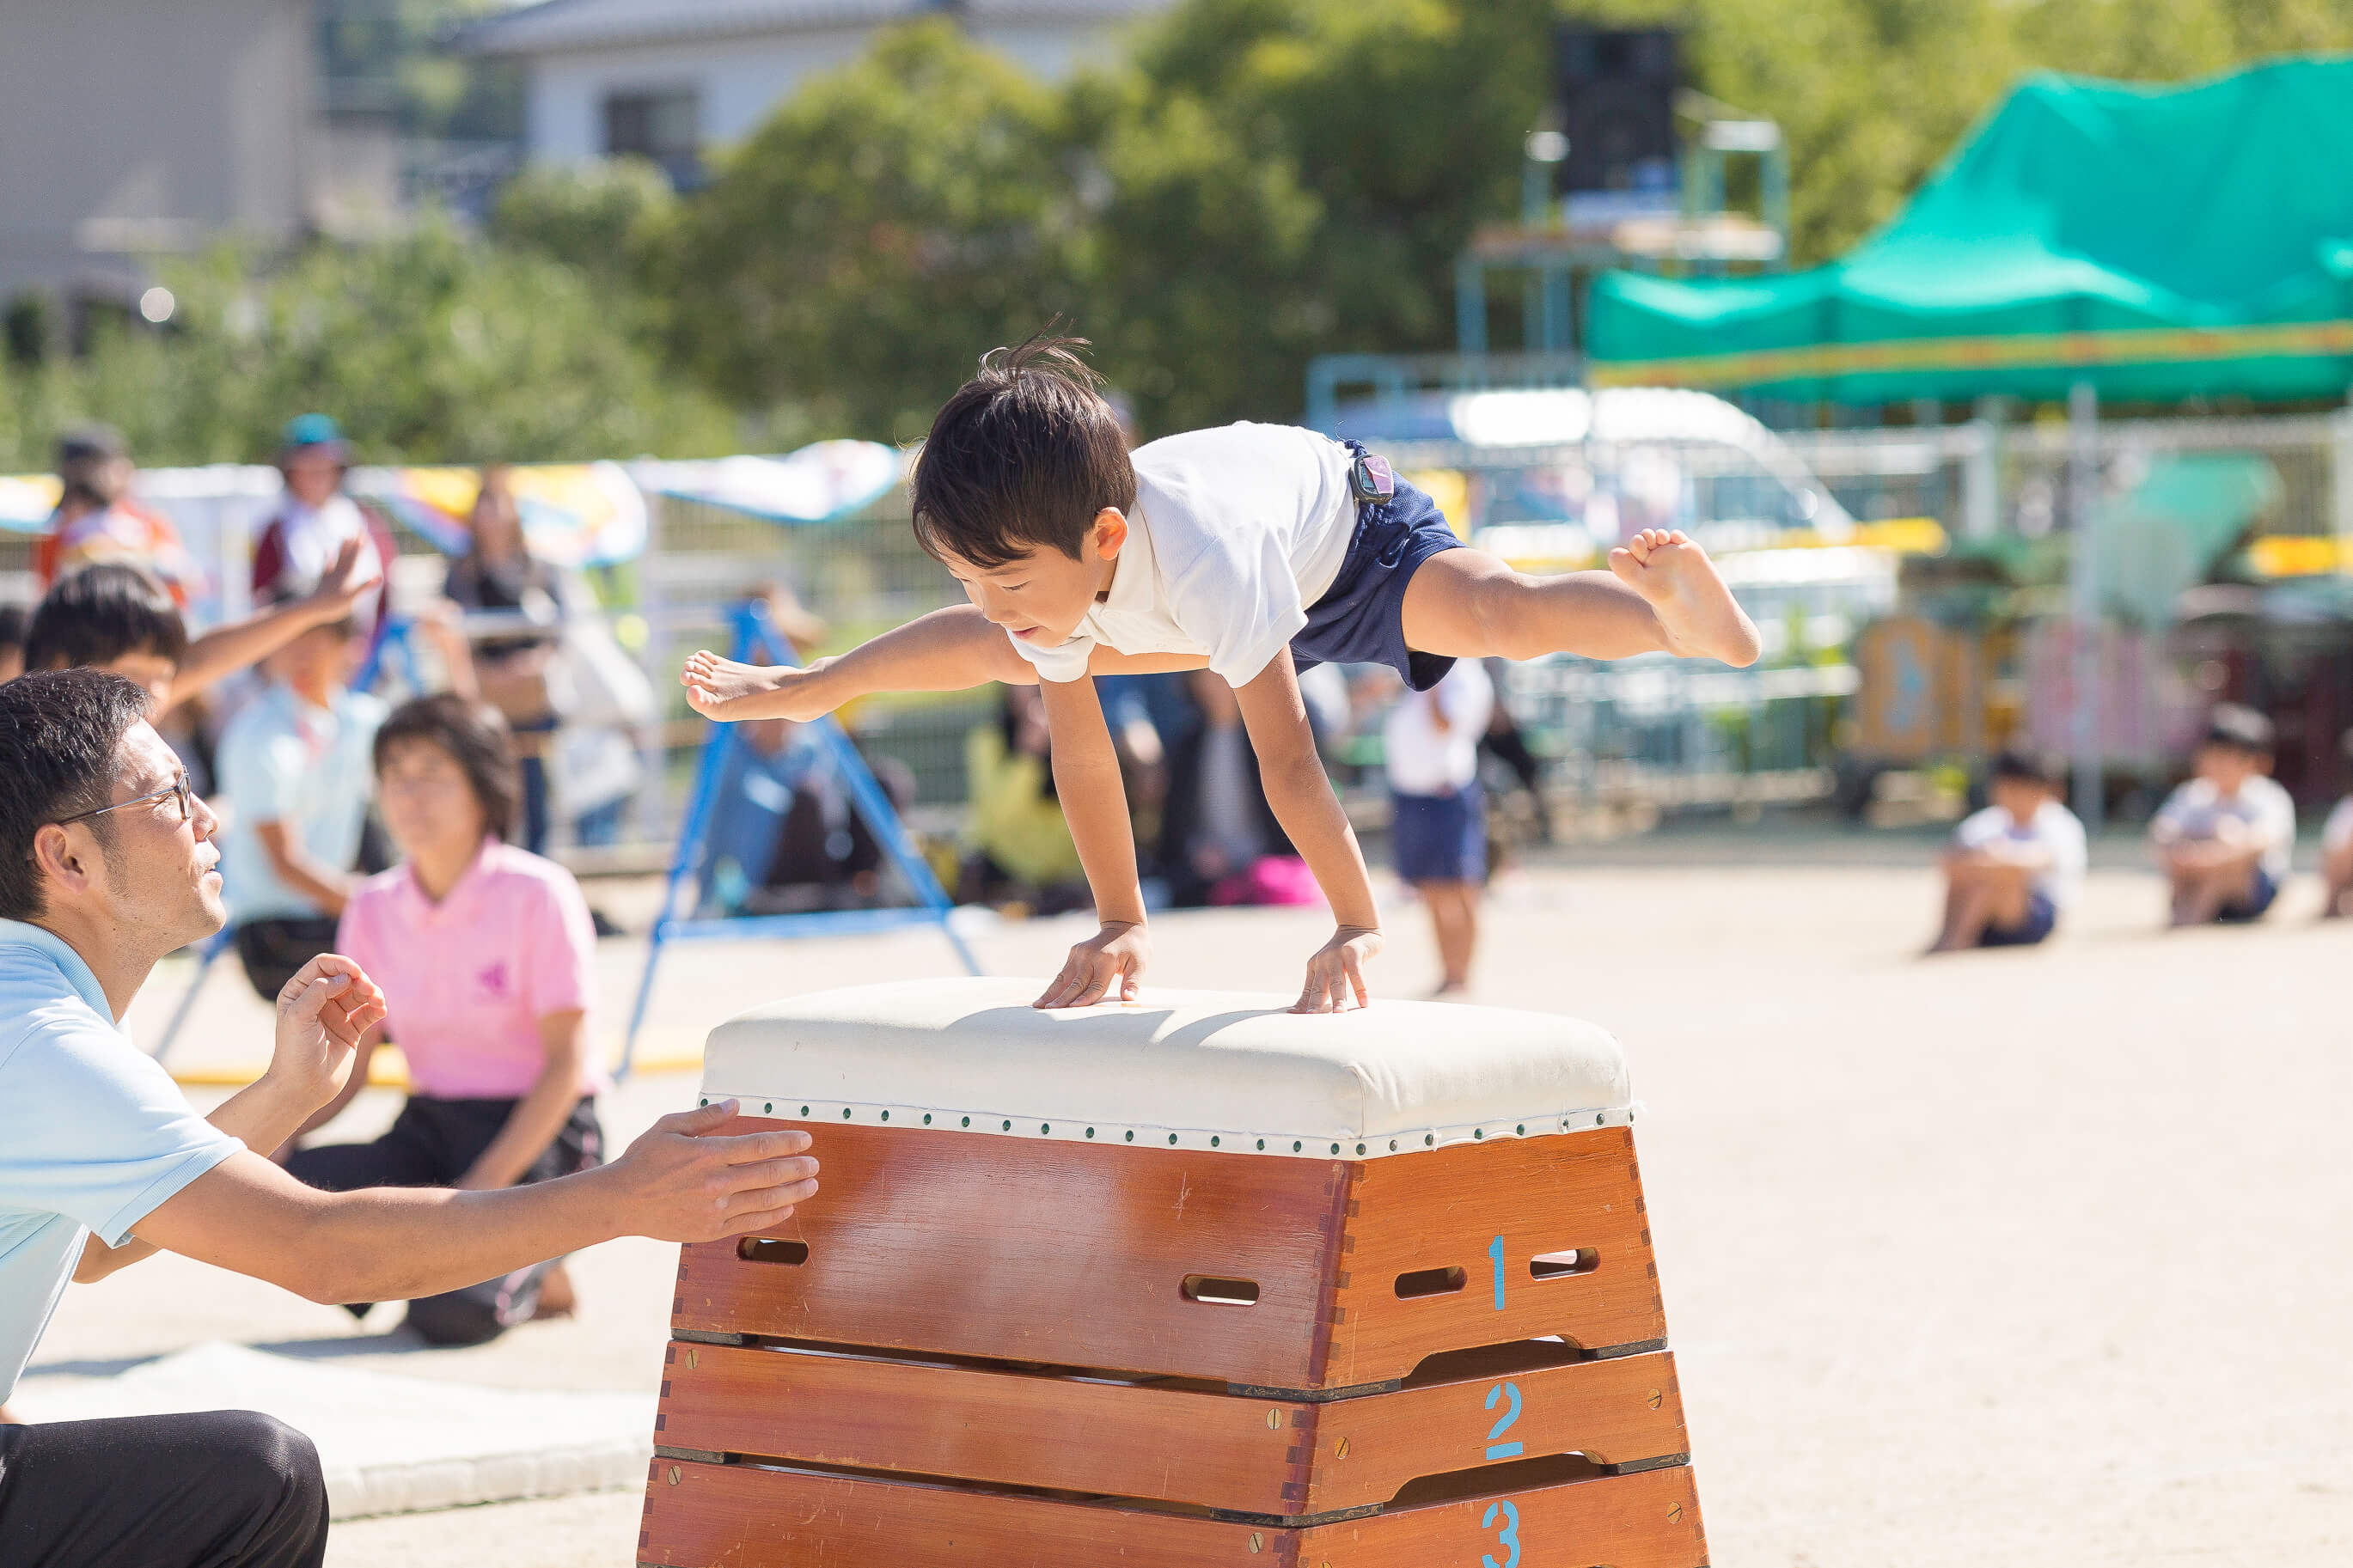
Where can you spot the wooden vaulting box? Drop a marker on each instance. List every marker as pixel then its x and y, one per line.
pixel 1184 1282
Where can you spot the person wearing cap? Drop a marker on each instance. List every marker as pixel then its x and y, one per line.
pixel 314 519
pixel 97 519
pixel 2224 836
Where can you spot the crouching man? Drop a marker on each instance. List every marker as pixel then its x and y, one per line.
pixel 106 865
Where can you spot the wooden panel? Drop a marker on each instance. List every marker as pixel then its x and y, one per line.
pixel 1023 1249
pixel 1246 1455
pixel 1613 1411
pixel 707 1516
pixel 1645 1521
pixel 1056 1433
pixel 1447 1208
pixel 732 1516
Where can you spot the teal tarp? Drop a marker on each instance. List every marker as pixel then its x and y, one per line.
pixel 2213 223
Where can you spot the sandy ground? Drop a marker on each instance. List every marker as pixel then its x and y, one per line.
pixel 2025 1257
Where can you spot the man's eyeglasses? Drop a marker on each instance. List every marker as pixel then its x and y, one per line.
pixel 179 788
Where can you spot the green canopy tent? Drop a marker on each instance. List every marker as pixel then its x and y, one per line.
pixel 2157 243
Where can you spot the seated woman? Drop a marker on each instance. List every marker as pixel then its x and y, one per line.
pixel 1219 841
pixel 487 959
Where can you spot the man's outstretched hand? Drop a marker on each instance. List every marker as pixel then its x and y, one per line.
pixel 322 1013
pixel 681 1182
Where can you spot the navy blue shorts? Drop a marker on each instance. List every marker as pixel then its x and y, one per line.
pixel 1360 619
pixel 1440 838
pixel 2042 915
pixel 2259 898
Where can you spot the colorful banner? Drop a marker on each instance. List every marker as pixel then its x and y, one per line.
pixel 574 514
pixel 26 500
pixel 817 484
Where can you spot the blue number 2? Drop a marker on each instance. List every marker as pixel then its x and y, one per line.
pixel 1509 1538
pixel 1503 1451
pixel 1495 1251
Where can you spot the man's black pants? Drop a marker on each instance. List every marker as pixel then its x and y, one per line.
pixel 223 1488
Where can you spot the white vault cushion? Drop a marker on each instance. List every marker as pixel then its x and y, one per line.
pixel 1204 1069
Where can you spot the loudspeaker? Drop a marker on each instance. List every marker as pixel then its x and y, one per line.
pixel 1615 88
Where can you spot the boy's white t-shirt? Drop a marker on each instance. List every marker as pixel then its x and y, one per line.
pixel 1236 531
pixel 2197 808
pixel 1421 758
pixel 2054 827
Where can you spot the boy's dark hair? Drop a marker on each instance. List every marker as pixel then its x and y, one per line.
pixel 15 622
pixel 1024 454
pixel 60 735
pixel 2027 767
pixel 478 741
pixel 100 614
pixel 2239 729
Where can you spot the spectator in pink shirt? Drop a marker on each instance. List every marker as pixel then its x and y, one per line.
pixel 486 957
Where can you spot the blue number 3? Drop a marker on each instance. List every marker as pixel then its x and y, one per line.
pixel 1509 1538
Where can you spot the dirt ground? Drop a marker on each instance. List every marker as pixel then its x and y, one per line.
pixel 2023 1257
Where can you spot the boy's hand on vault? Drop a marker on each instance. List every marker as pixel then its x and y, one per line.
pixel 1107 964
pixel 1336 975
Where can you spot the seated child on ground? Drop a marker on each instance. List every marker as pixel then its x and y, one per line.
pixel 1018 842
pixel 2014 866
pixel 2224 836
pixel 2336 849
pixel 1252 550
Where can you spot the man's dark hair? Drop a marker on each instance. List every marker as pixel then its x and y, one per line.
pixel 100 614
pixel 2239 729
pixel 61 742
pixel 1024 454
pixel 2028 767
pixel 477 739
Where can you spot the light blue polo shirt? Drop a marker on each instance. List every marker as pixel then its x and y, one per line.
pixel 281 759
pixel 94 1136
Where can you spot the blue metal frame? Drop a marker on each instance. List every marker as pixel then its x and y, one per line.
pixel 754 632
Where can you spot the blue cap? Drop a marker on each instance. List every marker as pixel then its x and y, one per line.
pixel 314 430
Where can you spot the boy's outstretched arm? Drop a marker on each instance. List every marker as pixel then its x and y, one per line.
pixel 947 651
pixel 1094 803
pixel 1301 793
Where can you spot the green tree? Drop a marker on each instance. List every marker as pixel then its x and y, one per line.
pixel 890 222
pixel 430 348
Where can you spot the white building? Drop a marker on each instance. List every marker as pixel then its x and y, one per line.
pixel 667 78
pixel 131 129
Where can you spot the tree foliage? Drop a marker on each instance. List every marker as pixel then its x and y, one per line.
pixel 889 222
pixel 430 348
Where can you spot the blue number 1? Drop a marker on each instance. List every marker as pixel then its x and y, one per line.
pixel 1509 1538
pixel 1495 1251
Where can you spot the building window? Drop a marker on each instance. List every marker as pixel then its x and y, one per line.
pixel 665 126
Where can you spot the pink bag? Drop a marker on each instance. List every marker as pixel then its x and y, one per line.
pixel 1280 879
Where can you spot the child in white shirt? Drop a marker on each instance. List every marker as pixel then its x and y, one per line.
pixel 1252 551
pixel 2014 866
pixel 2224 836
pixel 1438 825
pixel 2336 851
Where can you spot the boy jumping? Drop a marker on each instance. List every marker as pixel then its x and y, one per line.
pixel 1253 550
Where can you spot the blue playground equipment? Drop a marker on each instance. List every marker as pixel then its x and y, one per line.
pixel 757 635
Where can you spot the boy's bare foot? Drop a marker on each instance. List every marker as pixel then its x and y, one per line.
pixel 723 689
pixel 1702 619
